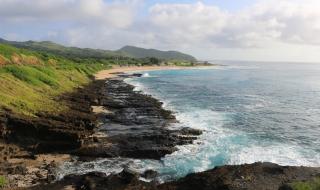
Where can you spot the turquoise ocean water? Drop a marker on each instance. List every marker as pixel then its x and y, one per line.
pixel 249 112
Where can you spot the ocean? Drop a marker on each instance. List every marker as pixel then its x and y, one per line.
pixel 248 112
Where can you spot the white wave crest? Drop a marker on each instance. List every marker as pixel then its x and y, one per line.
pixel 218 145
pixel 281 154
pixel 145 75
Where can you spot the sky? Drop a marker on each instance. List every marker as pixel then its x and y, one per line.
pixel 255 30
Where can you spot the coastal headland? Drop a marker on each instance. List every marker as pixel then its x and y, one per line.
pixel 108 119
pixel 105 118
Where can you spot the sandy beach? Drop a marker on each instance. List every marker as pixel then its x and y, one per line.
pixel 109 73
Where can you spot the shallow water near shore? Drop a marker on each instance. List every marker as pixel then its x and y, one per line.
pixel 249 112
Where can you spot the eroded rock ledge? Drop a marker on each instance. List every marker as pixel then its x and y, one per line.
pixel 134 125
pixel 258 176
pixel 31 147
pixel 127 124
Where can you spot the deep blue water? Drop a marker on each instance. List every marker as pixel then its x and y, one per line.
pixel 249 112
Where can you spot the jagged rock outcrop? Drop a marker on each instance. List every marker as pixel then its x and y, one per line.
pixel 257 176
pixel 136 125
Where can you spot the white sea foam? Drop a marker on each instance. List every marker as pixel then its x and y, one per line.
pixel 145 75
pixel 242 67
pixel 218 145
pixel 105 165
pixel 138 87
pixel 198 156
pixel 144 89
pixel 281 154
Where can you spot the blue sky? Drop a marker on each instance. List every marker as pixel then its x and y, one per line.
pixel 268 30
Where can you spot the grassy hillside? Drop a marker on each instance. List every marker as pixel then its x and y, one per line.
pixel 57 49
pixel 29 81
pixel 165 55
pixel 124 53
pixel 313 184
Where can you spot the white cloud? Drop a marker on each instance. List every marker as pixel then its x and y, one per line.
pixel 195 19
pixel 282 20
pixel 201 29
pixel 116 14
pixel 287 21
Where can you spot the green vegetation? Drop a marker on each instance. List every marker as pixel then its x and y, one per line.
pixel 34 74
pixel 125 53
pixel 57 49
pixel 307 185
pixel 29 88
pixel 8 51
pixel 3 181
pixel 164 55
pixel 180 63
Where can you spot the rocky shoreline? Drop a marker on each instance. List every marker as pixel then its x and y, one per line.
pixel 105 119
pixel 134 125
pixel 258 176
pixel 108 119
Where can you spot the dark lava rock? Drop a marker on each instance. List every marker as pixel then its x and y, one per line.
pixel 99 181
pixel 20 169
pixel 137 125
pixel 51 175
pixel 128 176
pixel 258 176
pixel 150 174
pixel 286 187
pixel 50 132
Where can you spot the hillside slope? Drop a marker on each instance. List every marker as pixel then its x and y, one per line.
pixel 30 81
pixel 57 49
pixel 167 55
pixel 87 53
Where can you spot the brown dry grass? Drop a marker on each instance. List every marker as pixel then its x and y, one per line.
pixel 3 60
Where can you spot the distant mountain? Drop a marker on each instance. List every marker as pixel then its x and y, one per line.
pixel 54 48
pixel 168 55
pixel 75 52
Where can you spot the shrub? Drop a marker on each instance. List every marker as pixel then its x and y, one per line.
pixel 313 184
pixel 3 181
pixel 21 73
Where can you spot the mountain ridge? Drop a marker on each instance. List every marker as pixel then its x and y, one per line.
pixel 139 52
pixel 76 52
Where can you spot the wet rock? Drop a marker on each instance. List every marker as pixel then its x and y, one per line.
pixel 258 176
pixel 189 131
pixel 150 174
pixel 286 187
pixel 137 125
pixel 91 181
pixel 128 175
pixel 51 172
pixel 20 170
pixel 39 174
